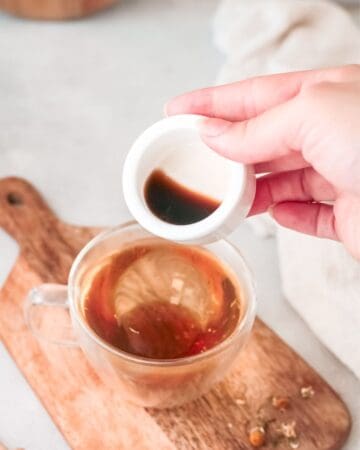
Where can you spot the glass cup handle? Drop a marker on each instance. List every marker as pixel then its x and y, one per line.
pixel 49 297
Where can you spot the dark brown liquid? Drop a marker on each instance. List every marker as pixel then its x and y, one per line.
pixel 154 326
pixel 174 203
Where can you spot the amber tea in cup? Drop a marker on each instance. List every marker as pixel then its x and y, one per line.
pixel 162 300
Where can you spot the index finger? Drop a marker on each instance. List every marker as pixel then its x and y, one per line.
pixel 248 98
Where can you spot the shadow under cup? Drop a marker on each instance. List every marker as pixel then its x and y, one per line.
pixel 144 381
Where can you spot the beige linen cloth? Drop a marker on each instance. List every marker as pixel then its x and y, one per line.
pixel 319 278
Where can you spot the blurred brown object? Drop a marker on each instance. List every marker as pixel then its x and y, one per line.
pixel 54 9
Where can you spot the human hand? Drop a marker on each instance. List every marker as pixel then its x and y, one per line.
pixel 302 130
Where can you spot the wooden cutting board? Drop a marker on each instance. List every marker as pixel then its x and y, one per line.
pixel 93 416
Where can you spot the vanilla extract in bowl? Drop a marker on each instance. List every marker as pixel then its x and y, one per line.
pixel 174 203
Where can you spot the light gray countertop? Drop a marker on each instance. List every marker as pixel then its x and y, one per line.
pixel 73 96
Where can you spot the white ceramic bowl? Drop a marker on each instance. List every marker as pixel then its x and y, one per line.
pixel 174 146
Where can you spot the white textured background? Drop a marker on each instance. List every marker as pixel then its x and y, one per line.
pixel 73 96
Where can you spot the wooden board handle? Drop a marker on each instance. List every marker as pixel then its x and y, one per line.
pixel 47 244
pixel 28 219
pixel 23 213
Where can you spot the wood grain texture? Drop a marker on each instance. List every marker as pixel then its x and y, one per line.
pixel 93 416
pixel 54 9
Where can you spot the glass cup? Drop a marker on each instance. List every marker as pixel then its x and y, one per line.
pixel 143 381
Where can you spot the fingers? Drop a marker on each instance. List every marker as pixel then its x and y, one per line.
pixel 302 185
pixel 271 135
pixel 315 219
pixel 246 99
pixel 293 161
pixel 238 101
pixel 289 195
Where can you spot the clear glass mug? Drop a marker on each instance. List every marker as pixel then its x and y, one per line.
pixel 143 381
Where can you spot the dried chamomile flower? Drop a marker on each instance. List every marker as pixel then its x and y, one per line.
pixel 307 392
pixel 240 401
pixel 288 429
pixel 257 437
pixel 294 443
pixel 280 402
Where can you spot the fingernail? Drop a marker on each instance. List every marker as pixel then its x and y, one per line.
pixel 165 109
pixel 213 127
